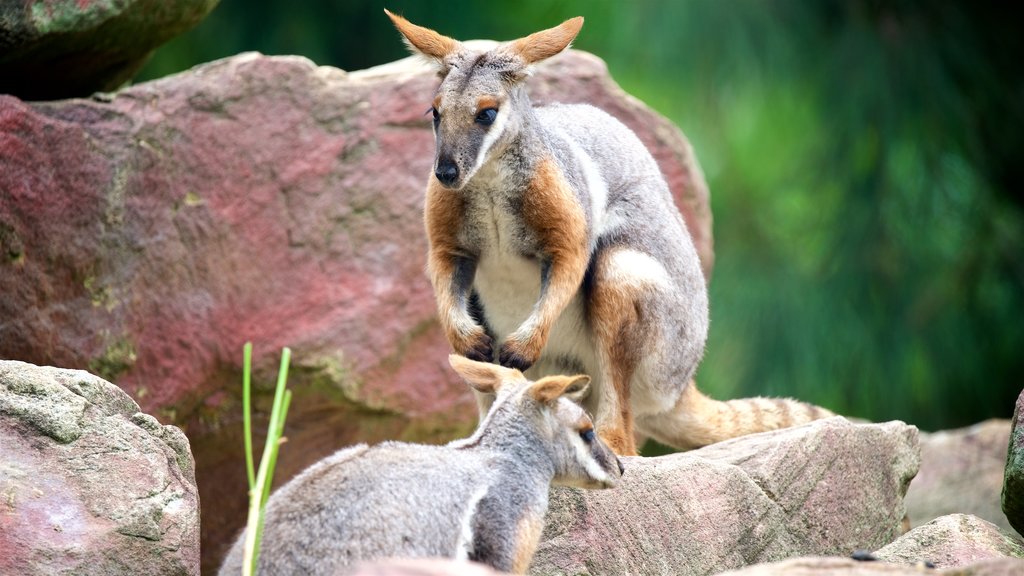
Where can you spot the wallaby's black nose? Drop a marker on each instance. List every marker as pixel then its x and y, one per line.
pixel 447 172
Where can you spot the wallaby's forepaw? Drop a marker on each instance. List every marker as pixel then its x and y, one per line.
pixel 514 354
pixel 479 347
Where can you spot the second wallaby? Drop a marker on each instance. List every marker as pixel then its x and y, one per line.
pixel 555 246
pixel 482 498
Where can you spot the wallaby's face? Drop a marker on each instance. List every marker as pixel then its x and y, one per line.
pixel 475 107
pixel 550 408
pixel 585 461
pixel 473 114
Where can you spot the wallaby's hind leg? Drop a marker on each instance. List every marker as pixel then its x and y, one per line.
pixel 618 307
pixel 697 420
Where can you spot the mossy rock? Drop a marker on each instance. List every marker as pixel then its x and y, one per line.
pixel 53 49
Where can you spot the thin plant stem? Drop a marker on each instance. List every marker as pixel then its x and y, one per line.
pixel 247 410
pixel 260 490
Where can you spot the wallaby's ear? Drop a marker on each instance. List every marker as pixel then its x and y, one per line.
pixel 424 41
pixel 546 43
pixel 483 376
pixel 550 388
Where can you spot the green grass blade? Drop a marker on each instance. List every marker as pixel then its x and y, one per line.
pixel 247 411
pixel 260 490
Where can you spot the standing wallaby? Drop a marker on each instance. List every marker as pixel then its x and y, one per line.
pixel 482 498
pixel 555 246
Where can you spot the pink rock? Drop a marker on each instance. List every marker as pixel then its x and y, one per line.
pixel 961 472
pixel 255 199
pixel 833 566
pixel 808 490
pixel 88 484
pixel 953 541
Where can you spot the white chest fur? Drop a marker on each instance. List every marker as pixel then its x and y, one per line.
pixel 509 285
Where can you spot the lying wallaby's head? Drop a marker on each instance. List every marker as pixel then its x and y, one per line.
pixel 478 106
pixel 548 407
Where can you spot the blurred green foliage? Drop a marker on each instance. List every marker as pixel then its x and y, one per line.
pixel 864 159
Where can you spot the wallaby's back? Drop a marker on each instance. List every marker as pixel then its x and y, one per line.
pixel 482 498
pixel 359 504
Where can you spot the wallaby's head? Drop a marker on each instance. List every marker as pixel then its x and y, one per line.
pixel 480 103
pixel 549 407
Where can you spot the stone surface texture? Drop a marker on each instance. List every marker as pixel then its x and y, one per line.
pixel 53 49
pixel 147 236
pixel 88 483
pixel 953 541
pixel 833 566
pixel 961 472
pixel 1013 479
pixel 802 491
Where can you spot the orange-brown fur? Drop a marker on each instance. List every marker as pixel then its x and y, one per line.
pixel 550 388
pixel 547 43
pixel 425 40
pixel 527 537
pixel 444 212
pixel 698 420
pixel 487 102
pixel 615 311
pixel 552 211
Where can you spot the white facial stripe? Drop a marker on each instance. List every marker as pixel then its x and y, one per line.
pixel 493 133
pixel 593 469
pixel 464 546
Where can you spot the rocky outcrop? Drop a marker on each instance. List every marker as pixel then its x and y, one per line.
pixel 827 488
pixel 961 472
pixel 951 542
pixel 88 483
pixel 147 236
pixel 1013 480
pixel 60 49
pixel 831 566
pixel 957 544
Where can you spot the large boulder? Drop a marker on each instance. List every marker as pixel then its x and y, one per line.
pixel 961 472
pixel 88 483
pixel 1013 480
pixel 952 541
pixel 263 199
pixel 833 566
pixel 63 48
pixel 827 488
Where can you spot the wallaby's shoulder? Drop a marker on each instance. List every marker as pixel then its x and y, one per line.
pixel 613 146
pixel 580 118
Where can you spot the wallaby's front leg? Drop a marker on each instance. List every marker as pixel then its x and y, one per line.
pixel 552 211
pixel 451 271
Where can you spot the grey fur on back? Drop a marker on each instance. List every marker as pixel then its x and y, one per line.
pixel 358 505
pixel 482 498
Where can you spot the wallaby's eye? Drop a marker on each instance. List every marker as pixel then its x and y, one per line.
pixel 437 115
pixel 486 116
pixel 588 435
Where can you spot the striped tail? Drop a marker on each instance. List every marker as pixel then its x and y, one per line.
pixel 697 420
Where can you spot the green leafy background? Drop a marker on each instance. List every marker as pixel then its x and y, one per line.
pixel 864 159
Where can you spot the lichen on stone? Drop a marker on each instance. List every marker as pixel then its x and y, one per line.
pixel 116 358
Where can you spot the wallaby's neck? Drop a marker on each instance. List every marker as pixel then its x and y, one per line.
pixel 505 432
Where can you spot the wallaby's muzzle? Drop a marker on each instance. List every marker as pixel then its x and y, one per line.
pixel 447 172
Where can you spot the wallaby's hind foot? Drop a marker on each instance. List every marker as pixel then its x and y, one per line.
pixel 697 420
